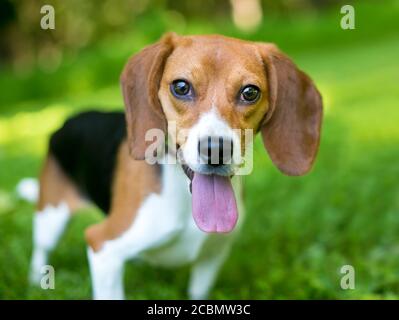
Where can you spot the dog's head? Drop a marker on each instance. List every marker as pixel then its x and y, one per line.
pixel 213 88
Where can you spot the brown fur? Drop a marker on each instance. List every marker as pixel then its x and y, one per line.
pixel 133 181
pixel 140 82
pixel 56 187
pixel 217 68
pixel 291 132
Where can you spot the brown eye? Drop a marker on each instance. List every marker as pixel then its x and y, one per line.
pixel 181 89
pixel 250 94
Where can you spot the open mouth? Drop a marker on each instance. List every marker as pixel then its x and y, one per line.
pixel 214 205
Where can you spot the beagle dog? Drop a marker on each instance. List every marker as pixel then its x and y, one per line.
pixel 186 207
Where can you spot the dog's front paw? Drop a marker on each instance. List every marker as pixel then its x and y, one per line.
pixel 194 294
pixel 39 259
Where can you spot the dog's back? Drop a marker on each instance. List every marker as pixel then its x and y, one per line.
pixel 86 147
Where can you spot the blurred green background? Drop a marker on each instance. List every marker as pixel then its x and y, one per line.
pixel 299 232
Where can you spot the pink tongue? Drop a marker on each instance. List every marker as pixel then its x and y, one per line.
pixel 214 204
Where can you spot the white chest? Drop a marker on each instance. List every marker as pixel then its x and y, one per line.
pixel 164 231
pixel 171 214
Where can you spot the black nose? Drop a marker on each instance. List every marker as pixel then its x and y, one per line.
pixel 215 151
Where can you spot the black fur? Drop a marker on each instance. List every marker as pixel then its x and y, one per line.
pixel 86 148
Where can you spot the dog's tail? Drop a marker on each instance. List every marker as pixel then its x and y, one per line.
pixel 28 189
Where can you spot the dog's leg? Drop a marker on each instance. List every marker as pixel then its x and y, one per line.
pixel 133 225
pixel 107 253
pixel 205 269
pixel 106 270
pixel 48 226
pixel 57 199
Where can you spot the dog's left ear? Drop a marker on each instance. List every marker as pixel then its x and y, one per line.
pixel 291 128
pixel 140 81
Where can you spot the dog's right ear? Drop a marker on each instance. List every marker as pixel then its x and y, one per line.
pixel 140 81
pixel 292 126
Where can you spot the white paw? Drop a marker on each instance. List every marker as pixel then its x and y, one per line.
pixel 39 259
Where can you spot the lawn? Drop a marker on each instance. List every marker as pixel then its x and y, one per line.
pixel 299 232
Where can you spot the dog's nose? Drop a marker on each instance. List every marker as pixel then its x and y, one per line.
pixel 215 151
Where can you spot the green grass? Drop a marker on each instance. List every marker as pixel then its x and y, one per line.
pixel 298 232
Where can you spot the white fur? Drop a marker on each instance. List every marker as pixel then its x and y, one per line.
pixel 106 275
pixel 163 233
pixel 205 269
pixel 48 227
pixel 28 189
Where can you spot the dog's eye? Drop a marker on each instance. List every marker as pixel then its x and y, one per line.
pixel 180 88
pixel 249 93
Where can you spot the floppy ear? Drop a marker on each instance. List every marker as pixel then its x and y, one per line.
pixel 291 129
pixel 140 82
